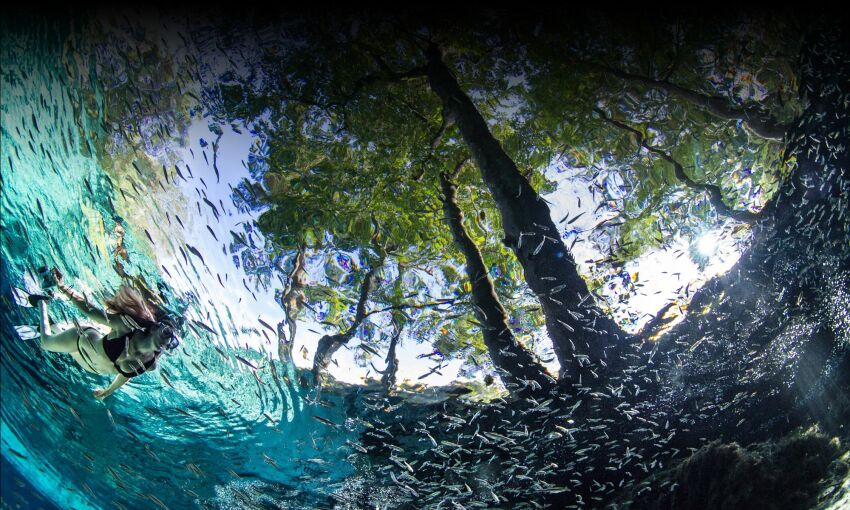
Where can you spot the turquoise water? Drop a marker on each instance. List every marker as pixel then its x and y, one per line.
pixel 212 434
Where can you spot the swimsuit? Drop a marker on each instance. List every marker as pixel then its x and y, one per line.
pixel 114 348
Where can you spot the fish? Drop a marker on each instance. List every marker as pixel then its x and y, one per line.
pixel 223 355
pixel 164 375
pixel 195 252
pixel 356 446
pixel 184 412
pixel 116 477
pixel 576 218
pixel 157 501
pixel 239 238
pixel 77 416
pixel 212 206
pixel 18 454
pixel 266 325
pixel 539 247
pixel 88 489
pixel 369 349
pixel 203 326
pixel 326 422
pixel 246 362
pixel 152 410
pixel 215 159
pixel 194 469
pixel 268 460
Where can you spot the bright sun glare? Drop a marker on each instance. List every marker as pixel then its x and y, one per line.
pixel 707 244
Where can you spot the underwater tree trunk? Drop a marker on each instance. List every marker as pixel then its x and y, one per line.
pixel 772 332
pixel 582 335
pixel 518 368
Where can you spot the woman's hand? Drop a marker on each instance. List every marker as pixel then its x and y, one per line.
pixel 57 275
pixel 119 381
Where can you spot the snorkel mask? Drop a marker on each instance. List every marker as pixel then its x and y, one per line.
pixel 168 332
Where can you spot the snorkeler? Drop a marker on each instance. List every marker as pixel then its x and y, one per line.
pixel 139 332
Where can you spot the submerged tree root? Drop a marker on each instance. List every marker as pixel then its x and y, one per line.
pixel 802 470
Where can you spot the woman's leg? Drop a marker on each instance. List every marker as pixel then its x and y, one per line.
pixel 65 341
pixel 45 322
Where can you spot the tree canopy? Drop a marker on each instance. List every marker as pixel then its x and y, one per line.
pixel 676 130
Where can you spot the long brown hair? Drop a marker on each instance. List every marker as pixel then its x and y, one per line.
pixel 129 301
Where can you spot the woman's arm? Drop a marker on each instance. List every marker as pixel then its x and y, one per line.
pixel 81 301
pixel 119 381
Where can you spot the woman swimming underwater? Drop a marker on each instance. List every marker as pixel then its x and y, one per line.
pixel 139 332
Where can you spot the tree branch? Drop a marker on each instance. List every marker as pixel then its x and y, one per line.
pixel 412 306
pixel 373 78
pixel 435 140
pixel 764 126
pixel 329 344
pixel 434 143
pixel 714 192
pixel 419 115
pixel 458 167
